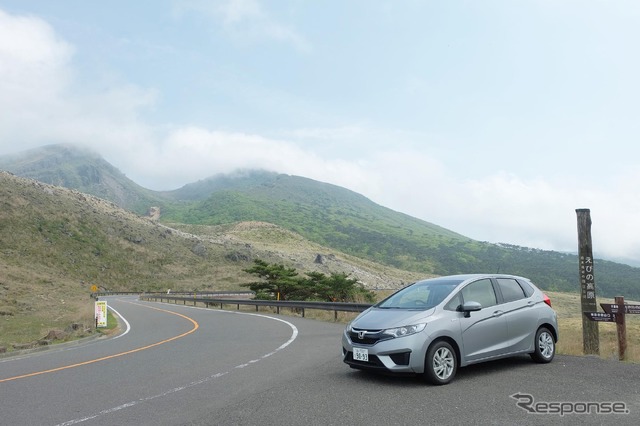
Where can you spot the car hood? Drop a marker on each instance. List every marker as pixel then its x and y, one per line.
pixel 379 318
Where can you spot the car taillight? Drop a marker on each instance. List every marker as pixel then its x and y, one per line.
pixel 546 299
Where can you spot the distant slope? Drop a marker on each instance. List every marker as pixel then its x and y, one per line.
pixel 330 216
pixel 274 194
pixel 56 242
pixel 339 218
pixel 83 170
pixel 65 233
pixel 324 213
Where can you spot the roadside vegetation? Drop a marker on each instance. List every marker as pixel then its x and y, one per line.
pixel 567 305
pixel 279 282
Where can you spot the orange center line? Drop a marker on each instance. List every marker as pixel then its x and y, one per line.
pixel 66 367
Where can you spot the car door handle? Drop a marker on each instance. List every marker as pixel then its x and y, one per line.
pixel 498 313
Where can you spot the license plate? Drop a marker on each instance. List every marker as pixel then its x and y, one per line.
pixel 360 354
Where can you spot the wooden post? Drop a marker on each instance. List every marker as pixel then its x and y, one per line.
pixel 590 333
pixel 621 326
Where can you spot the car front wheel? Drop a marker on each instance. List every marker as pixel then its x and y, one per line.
pixel 440 364
pixel 545 346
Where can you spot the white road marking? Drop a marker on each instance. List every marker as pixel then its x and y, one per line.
pixel 123 319
pixel 293 337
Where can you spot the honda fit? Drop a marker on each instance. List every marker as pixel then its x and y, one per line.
pixel 434 326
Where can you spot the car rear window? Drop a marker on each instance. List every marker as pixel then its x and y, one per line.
pixel 527 287
pixel 511 289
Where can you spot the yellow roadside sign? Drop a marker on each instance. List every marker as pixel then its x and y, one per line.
pixel 94 288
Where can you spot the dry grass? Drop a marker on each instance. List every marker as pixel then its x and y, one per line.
pixel 30 311
pixel 567 305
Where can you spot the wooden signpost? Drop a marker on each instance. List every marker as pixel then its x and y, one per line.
pixel 590 333
pixel 613 312
pixel 616 312
pixel 612 308
pixel 600 316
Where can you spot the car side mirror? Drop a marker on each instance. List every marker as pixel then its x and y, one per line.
pixel 469 307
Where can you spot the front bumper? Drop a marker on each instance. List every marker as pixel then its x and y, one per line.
pixel 400 355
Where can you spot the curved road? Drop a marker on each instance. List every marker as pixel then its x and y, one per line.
pixel 179 365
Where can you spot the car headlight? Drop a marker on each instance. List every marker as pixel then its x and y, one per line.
pixel 406 330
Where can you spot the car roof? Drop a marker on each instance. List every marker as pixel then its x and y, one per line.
pixel 466 277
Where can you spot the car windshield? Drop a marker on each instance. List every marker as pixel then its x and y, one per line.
pixel 421 295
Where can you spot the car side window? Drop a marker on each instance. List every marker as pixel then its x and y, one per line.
pixel 480 291
pixel 455 303
pixel 510 289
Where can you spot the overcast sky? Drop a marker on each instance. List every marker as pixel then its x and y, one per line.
pixel 496 119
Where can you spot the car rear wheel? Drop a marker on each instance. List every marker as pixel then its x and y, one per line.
pixel 441 364
pixel 545 346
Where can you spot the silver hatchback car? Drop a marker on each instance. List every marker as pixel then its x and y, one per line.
pixel 433 326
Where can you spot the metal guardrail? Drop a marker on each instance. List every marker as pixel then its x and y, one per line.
pixel 198 294
pixel 289 304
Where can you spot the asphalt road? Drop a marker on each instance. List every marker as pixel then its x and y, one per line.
pixel 179 365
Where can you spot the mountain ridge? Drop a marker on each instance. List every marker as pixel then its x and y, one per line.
pixel 82 169
pixel 337 218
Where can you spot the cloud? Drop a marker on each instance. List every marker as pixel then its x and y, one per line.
pixel 540 213
pixel 237 11
pixel 30 50
pixel 190 153
pixel 40 100
pixel 246 21
pixel 33 71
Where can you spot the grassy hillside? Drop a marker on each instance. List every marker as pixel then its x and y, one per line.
pixel 328 215
pixel 335 217
pixel 324 213
pixel 56 243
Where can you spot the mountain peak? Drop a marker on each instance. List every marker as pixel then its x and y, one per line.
pixel 75 167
